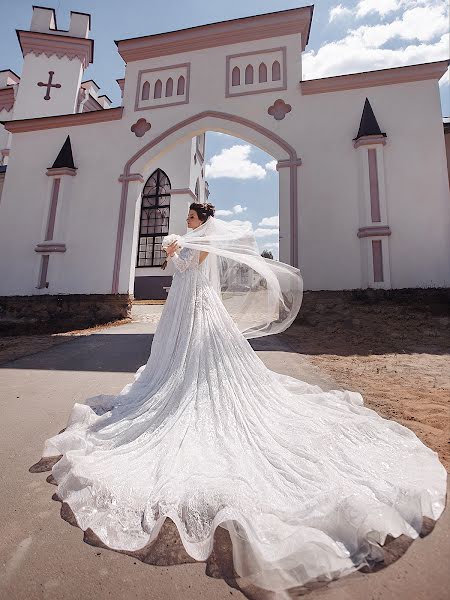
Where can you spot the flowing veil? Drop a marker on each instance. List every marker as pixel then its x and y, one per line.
pixel 262 295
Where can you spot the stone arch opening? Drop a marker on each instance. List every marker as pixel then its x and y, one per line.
pixel 138 167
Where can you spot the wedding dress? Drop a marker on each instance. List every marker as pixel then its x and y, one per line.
pixel 307 482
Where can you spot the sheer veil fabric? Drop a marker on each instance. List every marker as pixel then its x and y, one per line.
pixel 307 482
pixel 263 296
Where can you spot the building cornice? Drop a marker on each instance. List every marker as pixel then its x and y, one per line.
pixel 258 27
pixel 365 79
pixel 70 120
pixel 60 45
pixel 367 140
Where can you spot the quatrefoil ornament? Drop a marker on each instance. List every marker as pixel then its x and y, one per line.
pixel 141 127
pixel 279 109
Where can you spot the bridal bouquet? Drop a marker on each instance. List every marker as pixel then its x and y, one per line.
pixel 166 241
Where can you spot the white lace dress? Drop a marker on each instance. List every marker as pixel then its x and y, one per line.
pixel 307 482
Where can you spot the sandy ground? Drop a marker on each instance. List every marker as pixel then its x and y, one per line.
pixel 398 359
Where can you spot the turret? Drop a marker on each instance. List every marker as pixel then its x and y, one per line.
pixel 54 63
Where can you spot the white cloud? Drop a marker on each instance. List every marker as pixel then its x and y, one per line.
pixel 239 222
pixel 237 209
pixel 234 162
pixel 270 221
pixel 338 11
pixel 271 166
pixel 384 7
pixel 423 23
pixel 259 232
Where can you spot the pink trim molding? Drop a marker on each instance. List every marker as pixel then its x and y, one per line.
pixel 52 211
pixel 7 98
pixel 186 122
pixel 373 185
pixel 377 258
pixel 59 171
pixel 405 74
pixel 50 247
pixel 50 44
pixel 43 283
pixel 70 120
pixel 374 231
pixel 259 27
pixel 281 164
pixel 366 140
pixel 282 86
pixel 131 177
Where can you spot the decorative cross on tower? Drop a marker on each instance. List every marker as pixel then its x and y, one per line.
pixel 49 85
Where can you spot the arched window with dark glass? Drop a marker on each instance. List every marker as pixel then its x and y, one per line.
pixel 249 74
pixel 169 87
pixel 236 76
pixel 276 71
pixel 157 93
pixel 262 73
pixel 181 85
pixel 154 221
pixel 145 91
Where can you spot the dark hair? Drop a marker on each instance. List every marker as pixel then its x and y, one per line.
pixel 203 210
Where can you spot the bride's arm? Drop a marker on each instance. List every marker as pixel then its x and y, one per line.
pixel 203 255
pixel 185 259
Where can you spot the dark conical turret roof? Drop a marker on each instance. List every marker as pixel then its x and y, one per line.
pixel 369 124
pixel 65 157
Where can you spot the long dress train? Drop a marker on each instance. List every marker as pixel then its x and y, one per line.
pixel 308 482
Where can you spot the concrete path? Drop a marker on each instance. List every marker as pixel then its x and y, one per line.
pixel 42 556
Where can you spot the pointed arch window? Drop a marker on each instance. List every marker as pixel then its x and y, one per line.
pixel 276 71
pixel 158 89
pixel 145 91
pixel 169 87
pixel 154 220
pixel 262 75
pixel 236 76
pixel 249 74
pixel 181 85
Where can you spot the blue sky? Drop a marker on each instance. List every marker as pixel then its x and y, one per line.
pixel 346 37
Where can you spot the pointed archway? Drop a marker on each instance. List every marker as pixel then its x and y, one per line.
pixel 209 120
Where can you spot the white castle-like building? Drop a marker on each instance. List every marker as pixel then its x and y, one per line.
pixel 88 191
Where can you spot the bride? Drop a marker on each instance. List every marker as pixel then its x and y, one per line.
pixel 307 482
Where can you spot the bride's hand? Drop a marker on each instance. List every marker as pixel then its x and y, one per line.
pixel 172 248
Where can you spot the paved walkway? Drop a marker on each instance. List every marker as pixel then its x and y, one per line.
pixel 42 556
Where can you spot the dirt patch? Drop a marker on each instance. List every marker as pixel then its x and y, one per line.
pixel 396 356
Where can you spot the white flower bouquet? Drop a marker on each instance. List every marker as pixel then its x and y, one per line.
pixel 166 241
pixel 169 239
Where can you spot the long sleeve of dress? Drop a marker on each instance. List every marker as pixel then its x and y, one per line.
pixel 187 258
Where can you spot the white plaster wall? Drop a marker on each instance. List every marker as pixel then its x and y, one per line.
pixel 320 127
pixel 417 193
pixel 30 101
pixel 90 201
